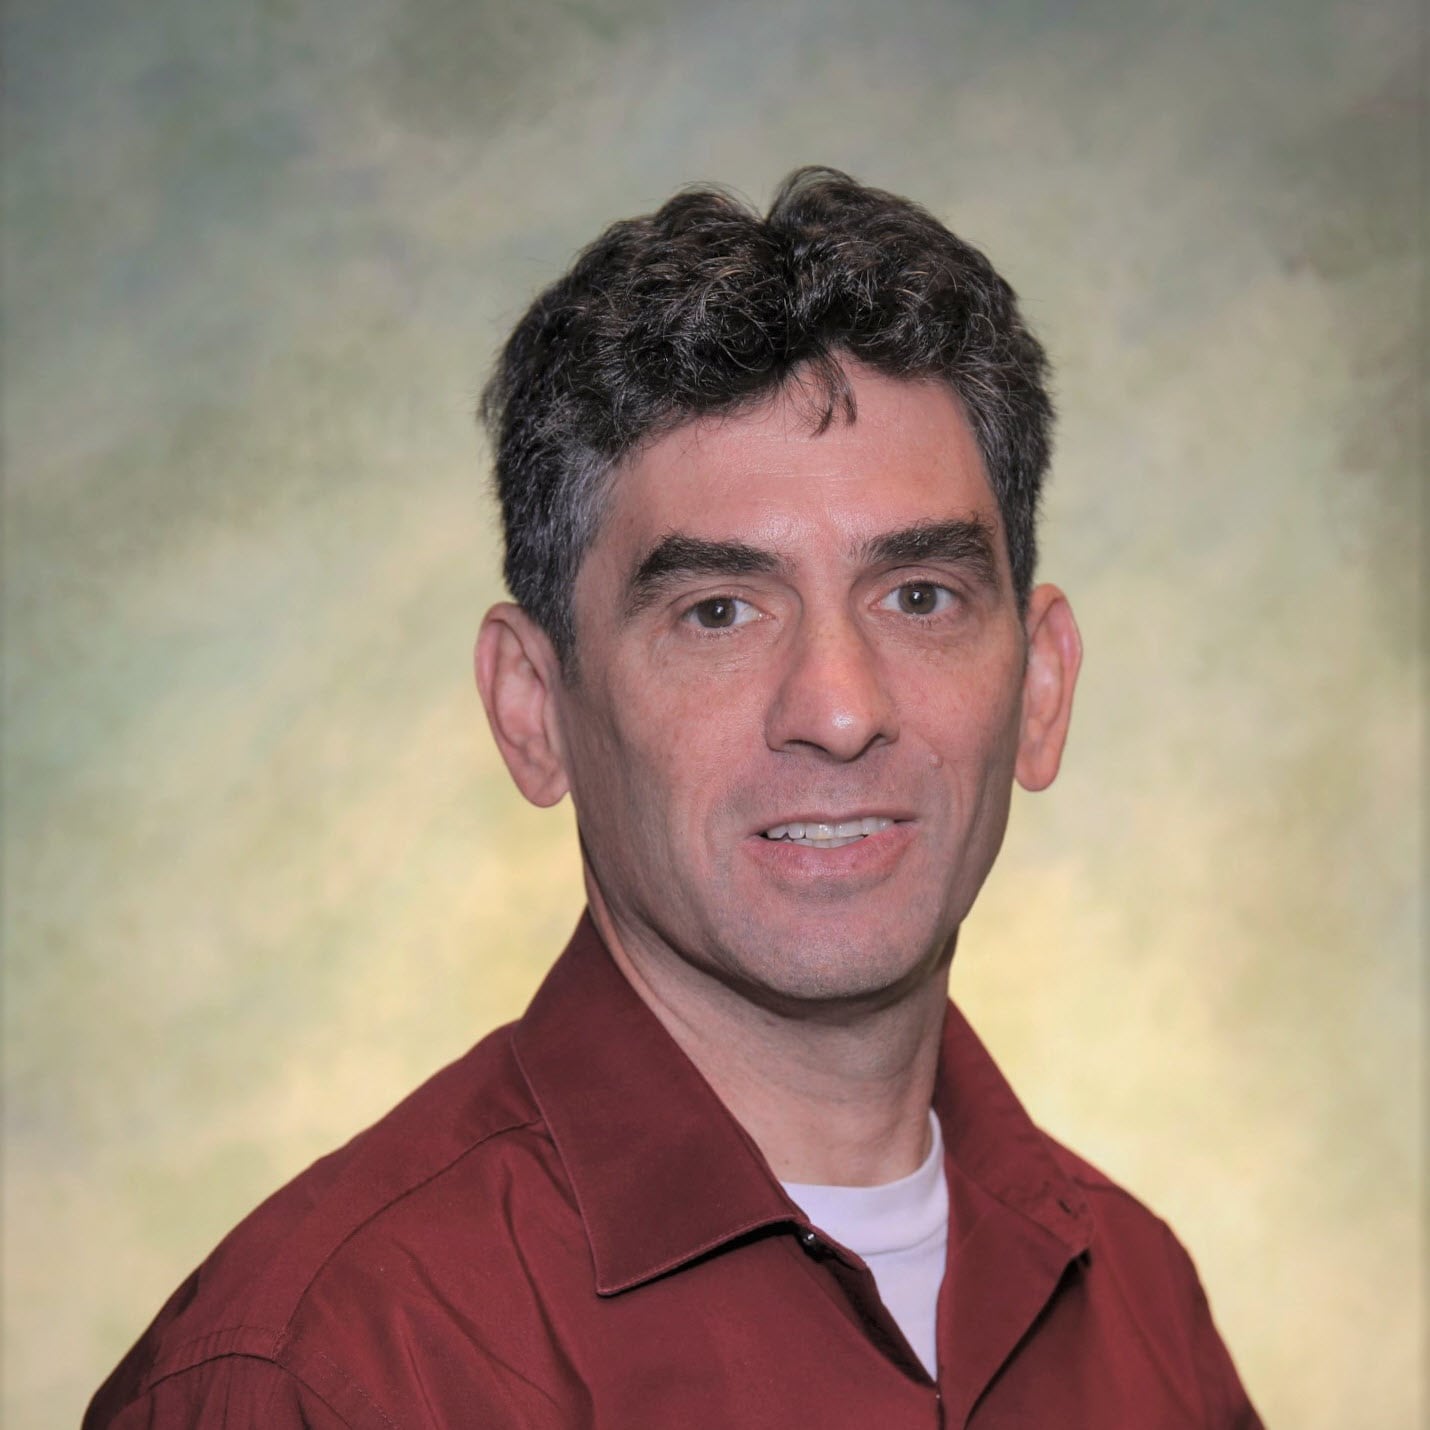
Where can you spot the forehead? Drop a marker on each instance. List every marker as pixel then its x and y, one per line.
pixel 767 477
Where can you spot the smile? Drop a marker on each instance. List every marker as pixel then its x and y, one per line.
pixel 813 834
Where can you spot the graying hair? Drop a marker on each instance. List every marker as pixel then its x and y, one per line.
pixel 707 307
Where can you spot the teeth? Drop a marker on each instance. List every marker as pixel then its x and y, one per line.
pixel 815 835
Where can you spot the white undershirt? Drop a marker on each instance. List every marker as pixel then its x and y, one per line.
pixel 901 1230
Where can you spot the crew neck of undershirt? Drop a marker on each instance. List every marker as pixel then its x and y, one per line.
pixel 900 1231
pixel 890 1217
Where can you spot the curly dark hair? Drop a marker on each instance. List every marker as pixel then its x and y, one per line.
pixel 704 307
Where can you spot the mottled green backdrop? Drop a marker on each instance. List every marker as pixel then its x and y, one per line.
pixel 262 869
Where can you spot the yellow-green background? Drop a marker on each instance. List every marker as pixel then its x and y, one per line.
pixel 262 868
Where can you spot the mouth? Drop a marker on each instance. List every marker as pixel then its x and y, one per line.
pixel 827 834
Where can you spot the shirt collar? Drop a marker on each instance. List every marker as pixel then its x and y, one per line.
pixel 660 1170
pixel 991 1140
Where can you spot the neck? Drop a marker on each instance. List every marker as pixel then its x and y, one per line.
pixel 827 1101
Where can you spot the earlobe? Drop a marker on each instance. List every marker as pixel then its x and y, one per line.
pixel 1054 657
pixel 516 667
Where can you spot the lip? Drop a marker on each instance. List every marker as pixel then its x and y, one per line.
pixel 817 816
pixel 849 867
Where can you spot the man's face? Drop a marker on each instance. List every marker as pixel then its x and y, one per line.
pixel 777 629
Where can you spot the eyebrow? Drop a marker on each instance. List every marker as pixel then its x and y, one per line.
pixel 677 556
pixel 964 541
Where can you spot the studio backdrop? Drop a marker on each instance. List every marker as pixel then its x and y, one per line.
pixel 263 870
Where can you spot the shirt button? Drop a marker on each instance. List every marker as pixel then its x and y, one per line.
pixel 810 1242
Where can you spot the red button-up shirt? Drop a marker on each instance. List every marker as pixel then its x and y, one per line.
pixel 566 1228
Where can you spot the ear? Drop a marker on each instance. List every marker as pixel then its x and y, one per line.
pixel 1054 656
pixel 517 670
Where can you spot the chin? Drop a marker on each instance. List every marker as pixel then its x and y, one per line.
pixel 835 971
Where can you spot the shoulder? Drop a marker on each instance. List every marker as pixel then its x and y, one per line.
pixel 1124 1227
pixel 240 1392
pixel 241 1326
pixel 1102 1192
pixel 1135 1259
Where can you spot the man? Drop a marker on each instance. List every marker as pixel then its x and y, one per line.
pixel 769 489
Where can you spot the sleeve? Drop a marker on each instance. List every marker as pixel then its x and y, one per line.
pixel 234 1392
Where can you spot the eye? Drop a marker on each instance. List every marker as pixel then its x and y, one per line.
pixel 719 613
pixel 918 598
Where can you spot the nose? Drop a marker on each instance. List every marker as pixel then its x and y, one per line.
pixel 833 695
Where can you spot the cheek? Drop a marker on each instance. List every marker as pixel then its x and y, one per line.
pixel 691 736
pixel 649 766
pixel 970 723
